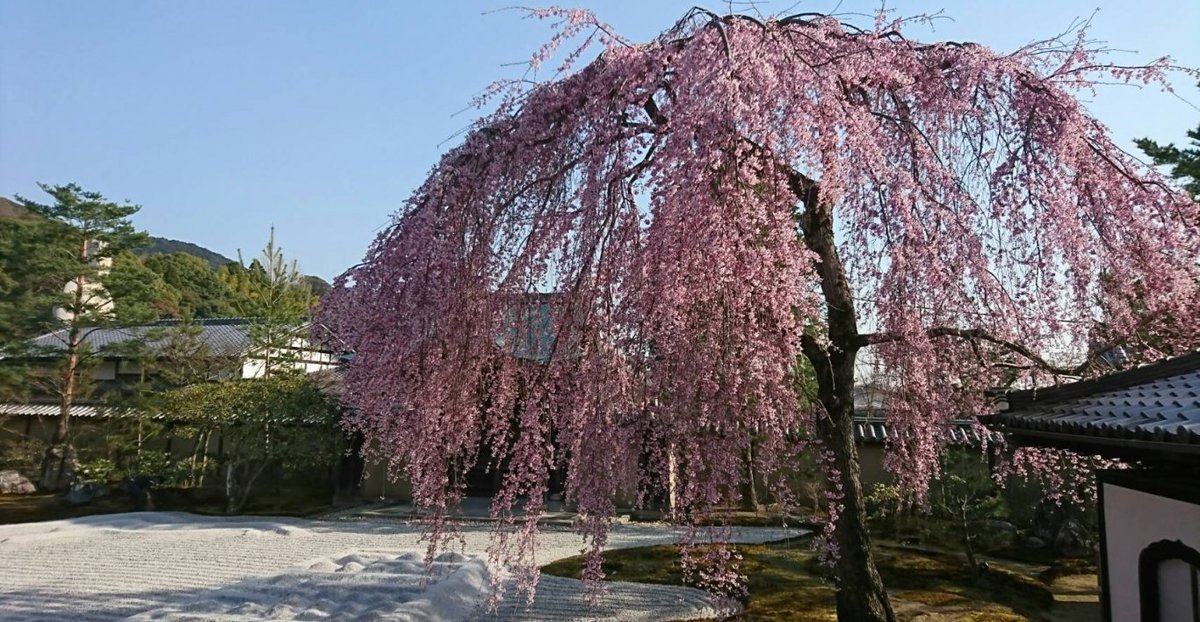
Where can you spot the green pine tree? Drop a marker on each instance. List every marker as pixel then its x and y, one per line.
pixel 273 293
pixel 31 287
pixel 91 233
pixel 1184 163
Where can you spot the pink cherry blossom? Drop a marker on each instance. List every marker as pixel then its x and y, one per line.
pixel 624 271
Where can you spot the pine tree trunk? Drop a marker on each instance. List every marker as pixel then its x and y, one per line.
pixel 60 462
pixel 969 543
pixel 198 447
pixel 204 458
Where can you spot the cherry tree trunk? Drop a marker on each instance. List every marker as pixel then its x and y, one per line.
pixel 860 590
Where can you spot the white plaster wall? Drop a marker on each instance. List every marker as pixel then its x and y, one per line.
pixel 304 359
pixel 1132 521
pixel 94 293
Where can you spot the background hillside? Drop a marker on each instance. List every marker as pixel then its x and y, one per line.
pixel 167 246
pixel 158 246
pixel 192 281
pixel 11 209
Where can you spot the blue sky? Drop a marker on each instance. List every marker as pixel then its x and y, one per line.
pixel 223 118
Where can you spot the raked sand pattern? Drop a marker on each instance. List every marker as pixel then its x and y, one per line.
pixel 175 566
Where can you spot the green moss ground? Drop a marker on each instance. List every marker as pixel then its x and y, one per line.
pixel 786 583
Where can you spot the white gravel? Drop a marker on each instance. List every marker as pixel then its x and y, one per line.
pixel 177 566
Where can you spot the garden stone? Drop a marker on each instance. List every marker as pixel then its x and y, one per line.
pixel 999 525
pixel 1034 543
pixel 13 483
pixel 997 534
pixel 1072 539
pixel 82 493
pixel 59 466
pixel 138 488
pixel 1047 520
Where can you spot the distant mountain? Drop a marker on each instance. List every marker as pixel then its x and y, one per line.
pixel 318 285
pixel 166 246
pixel 158 246
pixel 12 209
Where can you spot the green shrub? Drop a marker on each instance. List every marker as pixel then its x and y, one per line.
pixel 97 470
pixel 22 455
pixel 162 467
pixel 884 502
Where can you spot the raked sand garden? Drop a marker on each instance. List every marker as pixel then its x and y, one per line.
pixel 178 566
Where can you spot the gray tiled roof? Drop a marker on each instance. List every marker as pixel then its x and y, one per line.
pixel 224 336
pixel 44 409
pixel 99 411
pixel 1157 403
pixel 871 426
pixel 875 430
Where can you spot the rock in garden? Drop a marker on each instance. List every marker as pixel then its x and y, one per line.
pixel 1047 520
pixel 1033 543
pixel 1073 539
pixel 84 492
pixel 997 534
pixel 13 483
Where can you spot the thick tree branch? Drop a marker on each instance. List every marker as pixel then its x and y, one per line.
pixel 652 110
pixel 815 218
pixel 976 335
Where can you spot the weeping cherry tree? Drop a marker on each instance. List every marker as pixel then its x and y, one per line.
pixel 700 217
